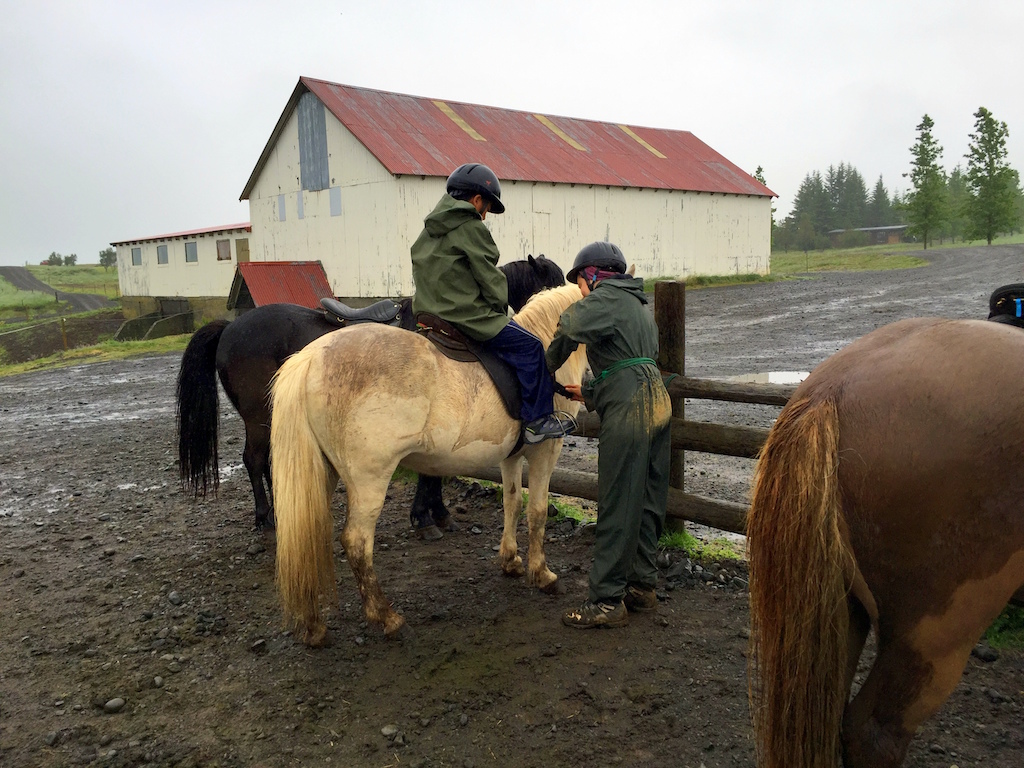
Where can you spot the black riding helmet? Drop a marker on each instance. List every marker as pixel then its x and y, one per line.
pixel 477 178
pixel 602 255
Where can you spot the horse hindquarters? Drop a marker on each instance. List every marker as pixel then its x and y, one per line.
pixel 197 410
pixel 302 485
pixel 799 618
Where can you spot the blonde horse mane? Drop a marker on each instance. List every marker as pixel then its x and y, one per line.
pixel 540 317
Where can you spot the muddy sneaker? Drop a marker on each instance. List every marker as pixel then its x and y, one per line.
pixel 596 615
pixel 640 599
pixel 548 427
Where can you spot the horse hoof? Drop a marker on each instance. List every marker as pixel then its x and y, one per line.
pixel 315 637
pixel 447 524
pixel 514 568
pixel 429 533
pixel 554 588
pixel 393 627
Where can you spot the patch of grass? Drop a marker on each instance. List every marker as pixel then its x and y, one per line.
pixel 81 278
pixel 14 302
pixel 108 350
pixel 567 510
pixel 836 260
pixel 716 550
pixel 404 476
pixel 1007 631
pixel 711 281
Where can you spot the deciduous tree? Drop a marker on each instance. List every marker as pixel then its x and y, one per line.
pixel 108 258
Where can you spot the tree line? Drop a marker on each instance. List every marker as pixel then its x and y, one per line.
pixel 979 201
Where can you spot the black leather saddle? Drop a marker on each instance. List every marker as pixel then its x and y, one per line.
pixel 457 346
pixel 384 311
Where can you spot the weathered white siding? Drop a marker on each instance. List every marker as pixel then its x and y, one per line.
pixel 204 277
pixel 365 249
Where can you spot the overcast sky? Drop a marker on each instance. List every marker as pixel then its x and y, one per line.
pixel 133 119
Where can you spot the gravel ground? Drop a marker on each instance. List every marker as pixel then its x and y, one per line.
pixel 140 627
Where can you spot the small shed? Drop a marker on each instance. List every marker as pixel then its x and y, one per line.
pixel 257 283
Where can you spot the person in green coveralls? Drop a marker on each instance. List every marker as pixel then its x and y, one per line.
pixel 634 449
pixel 455 270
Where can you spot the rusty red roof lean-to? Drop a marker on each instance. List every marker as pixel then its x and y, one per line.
pixel 429 137
pixel 273 282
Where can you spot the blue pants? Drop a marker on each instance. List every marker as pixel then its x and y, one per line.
pixel 524 352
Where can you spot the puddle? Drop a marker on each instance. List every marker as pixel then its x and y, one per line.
pixel 772 377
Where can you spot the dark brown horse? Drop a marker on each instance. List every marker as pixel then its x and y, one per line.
pixel 246 353
pixel 889 496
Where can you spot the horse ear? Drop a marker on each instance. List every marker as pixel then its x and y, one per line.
pixel 632 270
pixel 533 261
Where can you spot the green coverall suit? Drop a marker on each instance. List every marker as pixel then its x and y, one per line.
pixel 635 410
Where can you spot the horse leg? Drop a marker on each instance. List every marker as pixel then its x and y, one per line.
pixel 256 457
pixel 916 670
pixel 423 515
pixel 365 499
pixel 542 464
pixel 512 504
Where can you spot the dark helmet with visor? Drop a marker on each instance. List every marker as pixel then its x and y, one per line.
pixel 477 178
pixel 602 255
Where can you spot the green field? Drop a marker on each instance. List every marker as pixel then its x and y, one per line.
pixel 82 278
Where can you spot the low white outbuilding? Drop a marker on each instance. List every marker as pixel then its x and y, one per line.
pixel 168 273
pixel 348 175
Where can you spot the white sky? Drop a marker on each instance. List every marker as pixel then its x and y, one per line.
pixel 132 119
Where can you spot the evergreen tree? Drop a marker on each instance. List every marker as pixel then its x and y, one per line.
pixel 847 197
pixel 926 206
pixel 956 193
pixel 759 175
pixel 811 201
pixel 878 212
pixel 992 186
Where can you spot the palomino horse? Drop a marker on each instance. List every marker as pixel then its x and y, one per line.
pixel 246 353
pixel 359 402
pixel 888 496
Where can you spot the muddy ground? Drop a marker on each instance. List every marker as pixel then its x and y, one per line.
pixel 138 627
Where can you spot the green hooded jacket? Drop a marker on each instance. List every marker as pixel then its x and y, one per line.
pixel 615 324
pixel 455 270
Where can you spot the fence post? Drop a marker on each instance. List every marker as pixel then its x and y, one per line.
pixel 670 315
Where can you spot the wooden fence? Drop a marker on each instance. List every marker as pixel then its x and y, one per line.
pixel 706 437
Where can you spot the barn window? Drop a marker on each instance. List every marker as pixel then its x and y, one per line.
pixel 191 253
pixel 335 201
pixel 312 143
pixel 298 203
pixel 136 257
pixel 280 207
pixel 223 250
pixel 161 254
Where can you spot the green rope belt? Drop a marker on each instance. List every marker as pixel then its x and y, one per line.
pixel 627 363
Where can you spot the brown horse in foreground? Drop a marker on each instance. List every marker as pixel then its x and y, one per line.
pixel 889 496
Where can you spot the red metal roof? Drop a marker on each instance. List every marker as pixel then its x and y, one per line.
pixel 428 137
pixel 190 233
pixel 277 282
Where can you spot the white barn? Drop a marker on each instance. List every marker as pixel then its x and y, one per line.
pixel 348 175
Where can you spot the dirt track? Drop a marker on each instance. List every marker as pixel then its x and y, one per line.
pixel 113 585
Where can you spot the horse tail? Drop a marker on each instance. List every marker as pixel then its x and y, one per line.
pixel 302 499
pixel 799 568
pixel 197 410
